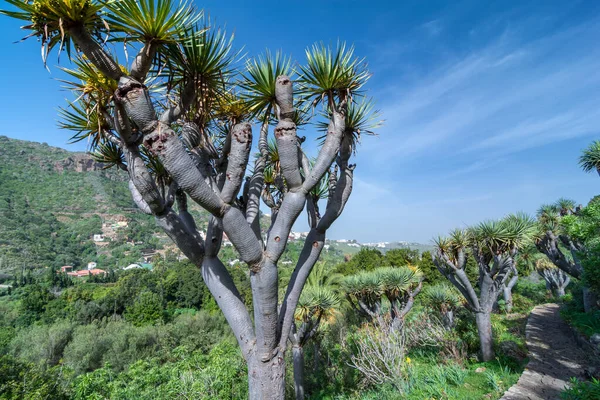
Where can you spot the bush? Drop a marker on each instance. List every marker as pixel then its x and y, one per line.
pixel 379 354
pixel 42 345
pixel 219 375
pixel 21 380
pixel 115 342
pixel 582 390
pixel 147 309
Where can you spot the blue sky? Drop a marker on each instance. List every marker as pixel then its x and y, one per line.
pixel 487 105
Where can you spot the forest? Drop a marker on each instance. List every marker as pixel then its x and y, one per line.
pixel 234 305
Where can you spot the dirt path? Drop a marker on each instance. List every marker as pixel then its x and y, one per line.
pixel 554 357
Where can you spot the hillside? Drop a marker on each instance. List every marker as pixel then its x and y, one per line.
pixel 53 201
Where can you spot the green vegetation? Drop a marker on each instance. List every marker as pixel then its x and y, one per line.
pixel 582 390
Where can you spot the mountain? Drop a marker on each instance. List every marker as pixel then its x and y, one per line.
pixel 52 179
pixel 53 202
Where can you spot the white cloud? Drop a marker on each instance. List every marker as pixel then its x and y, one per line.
pixel 503 98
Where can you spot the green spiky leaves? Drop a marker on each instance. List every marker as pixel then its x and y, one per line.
pixel 513 232
pixel 109 154
pixel 317 302
pixel 332 74
pixel 361 118
pixel 164 21
pixel 258 82
pixel 51 19
pixel 395 280
pixel 442 297
pixel 590 158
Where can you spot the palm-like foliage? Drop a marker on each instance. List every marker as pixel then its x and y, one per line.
pixel 317 302
pixel 527 258
pixel 397 284
pixel 396 281
pixel 50 19
pixel 360 118
pixel 453 245
pixel 109 154
pixel 204 54
pixel 258 82
pixel 548 213
pixel 590 158
pixel 543 264
pixel 86 123
pixel 442 297
pixel 321 275
pixel 156 168
pixel 332 74
pixel 154 21
pixel 204 57
pixel 364 284
pixel 565 206
pixel 509 234
pixel 321 190
pixel 91 86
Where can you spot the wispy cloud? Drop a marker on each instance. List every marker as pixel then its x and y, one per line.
pixel 502 98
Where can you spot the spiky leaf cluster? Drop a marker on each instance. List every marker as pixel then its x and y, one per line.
pixel 590 158
pixel 442 297
pixel 317 302
pixel 332 75
pixel 50 19
pixel 160 22
pixel 509 234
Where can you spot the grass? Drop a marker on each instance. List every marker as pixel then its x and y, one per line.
pixel 586 323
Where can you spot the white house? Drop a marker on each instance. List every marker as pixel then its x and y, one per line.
pixel 98 238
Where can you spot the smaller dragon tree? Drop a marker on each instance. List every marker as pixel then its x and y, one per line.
pixel 366 291
pixel 556 279
pixel 554 241
pixel 494 245
pixel 444 300
pixel 560 240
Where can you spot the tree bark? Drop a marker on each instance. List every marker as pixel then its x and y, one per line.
pixel 484 327
pixel 508 299
pixel 448 319
pixel 559 291
pixel 589 299
pixel 266 380
pixel 298 357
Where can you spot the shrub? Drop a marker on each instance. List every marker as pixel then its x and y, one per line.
pixel 147 309
pixel 42 344
pixel 21 380
pixel 219 375
pixel 380 355
pixel 115 342
pixel 582 390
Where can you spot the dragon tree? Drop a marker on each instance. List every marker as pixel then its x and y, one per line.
pixel 366 291
pixel 178 120
pixel 564 250
pixel 493 245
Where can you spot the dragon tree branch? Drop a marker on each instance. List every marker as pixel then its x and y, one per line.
pixel 94 52
pixel 219 282
pixel 313 246
pixel 143 61
pixel 241 142
pixel 328 152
